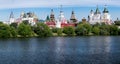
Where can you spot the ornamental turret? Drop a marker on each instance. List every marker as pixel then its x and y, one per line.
pixel 73 18
pixel 11 18
pixel 52 17
pixel 62 17
pixel 106 16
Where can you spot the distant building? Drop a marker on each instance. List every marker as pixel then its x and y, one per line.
pixel 61 21
pixel 30 17
pixel 11 18
pixel 84 20
pixel 73 18
pixel 50 21
pixel 52 16
pixel 96 17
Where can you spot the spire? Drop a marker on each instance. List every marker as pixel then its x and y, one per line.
pixel 91 11
pixel 72 15
pixel 61 16
pixel 117 19
pixel 97 10
pixel 47 18
pixel 11 15
pixel 73 18
pixel 52 18
pixel 52 13
pixel 105 9
pixel 61 8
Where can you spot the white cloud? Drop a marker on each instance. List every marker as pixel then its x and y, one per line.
pixel 54 3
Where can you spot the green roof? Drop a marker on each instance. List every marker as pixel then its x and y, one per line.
pixel 105 10
pixel 97 11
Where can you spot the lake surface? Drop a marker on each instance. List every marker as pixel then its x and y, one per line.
pixel 61 50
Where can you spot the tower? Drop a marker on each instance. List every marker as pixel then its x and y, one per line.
pixel 52 17
pixel 11 18
pixel 106 16
pixel 91 17
pixel 73 18
pixel 61 16
pixel 97 16
pixel 61 19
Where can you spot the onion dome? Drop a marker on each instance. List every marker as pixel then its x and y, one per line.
pixel 105 10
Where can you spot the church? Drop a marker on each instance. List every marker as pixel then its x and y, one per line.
pixel 61 21
pixel 97 17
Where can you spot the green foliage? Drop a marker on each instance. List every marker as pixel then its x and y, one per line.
pixel 96 30
pixel 114 30
pixel 42 30
pixel 4 31
pixel 83 29
pixel 117 23
pixel 70 31
pixel 13 32
pixel 59 31
pixel 26 22
pixel 54 30
pixel 80 30
pixel 24 30
pixel 118 31
pixel 14 25
pixel 104 30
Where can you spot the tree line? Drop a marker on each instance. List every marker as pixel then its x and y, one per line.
pixel 42 30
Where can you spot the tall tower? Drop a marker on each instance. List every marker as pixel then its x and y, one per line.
pixel 11 18
pixel 73 18
pixel 106 16
pixel 61 19
pixel 91 17
pixel 97 16
pixel 52 17
pixel 61 16
pixel 22 14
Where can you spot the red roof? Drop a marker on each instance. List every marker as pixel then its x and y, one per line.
pixel 50 23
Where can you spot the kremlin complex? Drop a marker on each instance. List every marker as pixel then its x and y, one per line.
pixel 60 22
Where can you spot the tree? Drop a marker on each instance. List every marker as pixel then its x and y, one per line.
pixel 105 30
pixel 96 30
pixel 25 30
pixel 13 32
pixel 26 22
pixel 83 29
pixel 114 30
pixel 42 30
pixel 14 25
pixel 70 31
pixel 59 31
pixel 4 31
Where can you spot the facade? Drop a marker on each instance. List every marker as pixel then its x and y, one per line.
pixel 97 17
pixel 11 18
pixel 52 16
pixel 50 21
pixel 30 17
pixel 61 21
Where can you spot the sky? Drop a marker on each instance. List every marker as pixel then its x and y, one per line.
pixel 42 7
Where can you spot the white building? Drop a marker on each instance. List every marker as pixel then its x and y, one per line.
pixel 61 19
pixel 96 17
pixel 11 18
pixel 30 17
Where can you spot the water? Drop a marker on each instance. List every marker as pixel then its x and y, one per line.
pixel 61 50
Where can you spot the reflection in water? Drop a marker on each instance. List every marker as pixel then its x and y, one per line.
pixel 61 50
pixel 99 45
